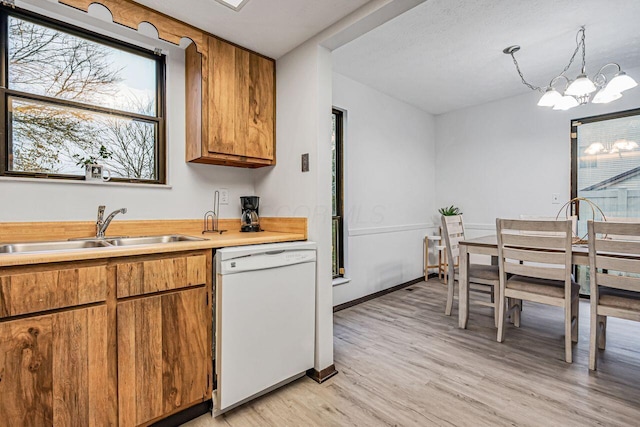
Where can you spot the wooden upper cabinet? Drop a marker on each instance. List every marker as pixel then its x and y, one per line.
pixel 230 106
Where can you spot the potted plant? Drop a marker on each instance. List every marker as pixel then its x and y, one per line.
pixel 450 211
pixel 92 168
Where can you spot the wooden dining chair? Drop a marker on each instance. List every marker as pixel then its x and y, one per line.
pixel 614 261
pixel 483 278
pixel 534 258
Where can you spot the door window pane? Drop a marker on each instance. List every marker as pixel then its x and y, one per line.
pixel 609 167
pixel 608 173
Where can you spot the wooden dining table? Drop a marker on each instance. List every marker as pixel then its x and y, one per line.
pixel 488 245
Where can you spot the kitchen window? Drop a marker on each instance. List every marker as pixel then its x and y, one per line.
pixel 337 138
pixel 70 96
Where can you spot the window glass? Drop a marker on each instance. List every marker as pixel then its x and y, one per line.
pixel 46 138
pixel 609 167
pixel 52 63
pixel 608 173
pixel 75 98
pixel 337 224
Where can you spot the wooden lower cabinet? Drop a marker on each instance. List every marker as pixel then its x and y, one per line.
pixel 54 370
pixel 73 354
pixel 164 354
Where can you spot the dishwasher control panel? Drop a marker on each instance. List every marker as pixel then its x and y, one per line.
pixel 265 260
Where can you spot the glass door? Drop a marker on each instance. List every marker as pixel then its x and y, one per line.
pixel 606 171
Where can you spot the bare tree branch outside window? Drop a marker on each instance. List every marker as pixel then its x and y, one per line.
pixel 46 135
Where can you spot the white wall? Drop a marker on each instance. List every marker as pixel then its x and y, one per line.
pixel 303 125
pixel 389 188
pixel 191 186
pixel 508 157
pixel 303 108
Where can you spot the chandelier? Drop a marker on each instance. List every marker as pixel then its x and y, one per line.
pixel 578 91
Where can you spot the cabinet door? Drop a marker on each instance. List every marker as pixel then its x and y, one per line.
pixel 164 354
pixel 257 127
pixel 222 98
pixel 54 370
pixel 241 96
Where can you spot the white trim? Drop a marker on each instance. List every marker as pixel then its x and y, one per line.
pixel 81 182
pixel 389 229
pixel 340 281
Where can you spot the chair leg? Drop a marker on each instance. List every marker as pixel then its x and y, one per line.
pixel 496 303
pixel 450 287
pixel 593 337
pixel 602 329
pixel 567 331
pixel 426 259
pixel 516 313
pixel 575 317
pixel 501 310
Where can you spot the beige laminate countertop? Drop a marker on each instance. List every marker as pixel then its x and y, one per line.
pixel 212 241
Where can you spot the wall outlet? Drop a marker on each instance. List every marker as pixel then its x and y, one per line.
pixel 224 196
pixel 555 198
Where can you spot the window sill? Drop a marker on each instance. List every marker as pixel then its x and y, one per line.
pixel 340 281
pixel 80 182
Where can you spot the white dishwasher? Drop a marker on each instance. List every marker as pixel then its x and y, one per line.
pixel 264 319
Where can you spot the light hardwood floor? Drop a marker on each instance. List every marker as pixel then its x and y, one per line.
pixel 402 362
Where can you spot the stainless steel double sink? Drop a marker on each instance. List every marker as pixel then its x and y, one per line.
pixel 69 245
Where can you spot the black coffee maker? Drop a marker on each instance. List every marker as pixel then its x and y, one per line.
pixel 250 220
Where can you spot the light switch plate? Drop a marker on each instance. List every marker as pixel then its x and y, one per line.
pixel 305 162
pixel 224 196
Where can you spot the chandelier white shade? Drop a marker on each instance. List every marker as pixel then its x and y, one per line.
pixel 550 98
pixel 621 82
pixel 566 102
pixel 605 96
pixel 579 90
pixel 580 86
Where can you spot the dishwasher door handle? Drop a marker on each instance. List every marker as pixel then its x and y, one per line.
pixel 274 252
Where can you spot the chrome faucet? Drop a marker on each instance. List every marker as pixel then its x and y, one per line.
pixel 102 224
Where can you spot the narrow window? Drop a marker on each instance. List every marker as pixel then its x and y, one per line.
pixel 71 97
pixel 337 139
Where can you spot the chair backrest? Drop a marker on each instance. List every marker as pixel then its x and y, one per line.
pixel 614 255
pixel 573 218
pixel 627 220
pixel 535 248
pixel 452 233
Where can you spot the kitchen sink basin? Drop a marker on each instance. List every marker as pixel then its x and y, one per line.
pixel 151 240
pixel 12 248
pixel 89 243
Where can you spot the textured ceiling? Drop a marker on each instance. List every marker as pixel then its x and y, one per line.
pixel 270 27
pixel 444 55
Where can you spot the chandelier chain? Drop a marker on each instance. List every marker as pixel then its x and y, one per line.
pixel 524 82
pixel 580 42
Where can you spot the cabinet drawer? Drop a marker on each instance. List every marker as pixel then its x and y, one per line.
pixel 149 276
pixel 32 292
